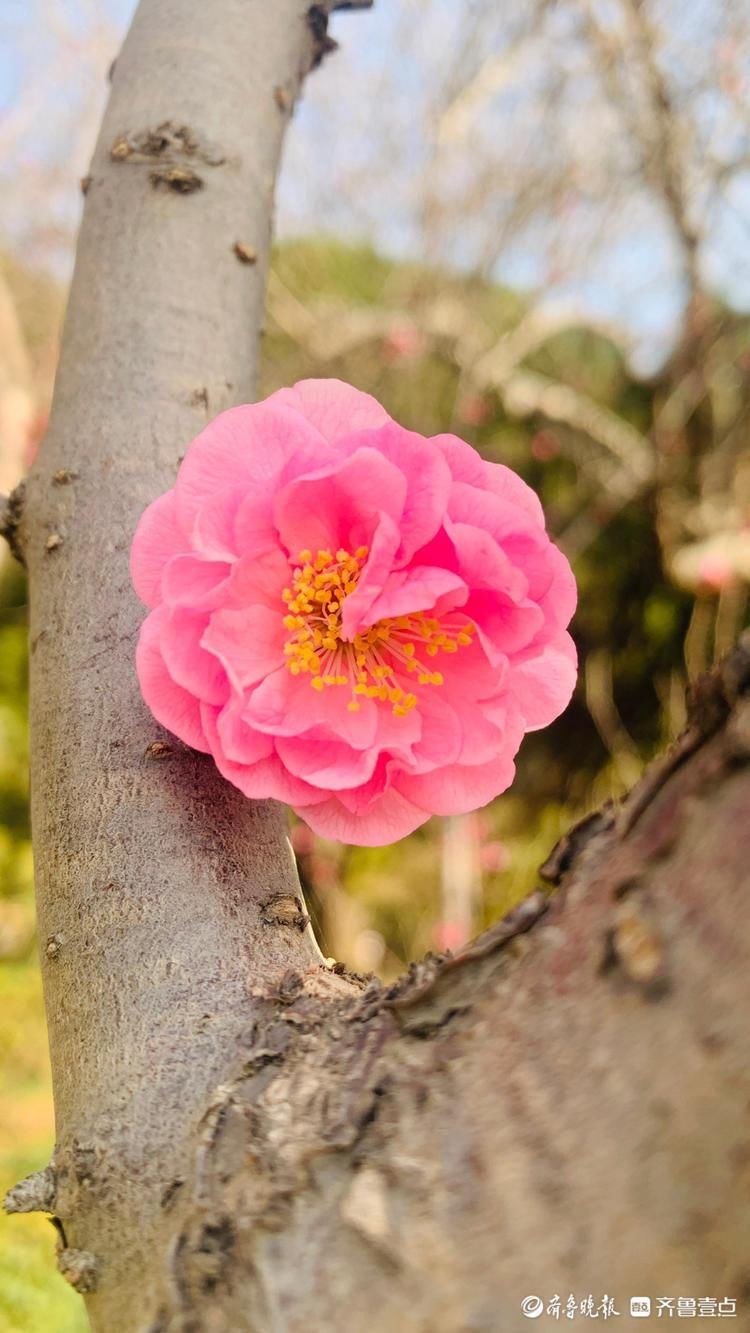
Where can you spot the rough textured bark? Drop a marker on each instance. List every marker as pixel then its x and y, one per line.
pixel 563 1108
pixel 248 1139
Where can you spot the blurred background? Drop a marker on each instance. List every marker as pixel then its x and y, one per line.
pixel 530 228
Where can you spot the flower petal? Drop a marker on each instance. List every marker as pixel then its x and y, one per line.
pixel 542 683
pixel 340 504
pixel 326 763
pixel 173 706
pixel 427 478
pixel 190 581
pixel 260 577
pixel 248 642
pixel 240 743
pixel 187 661
pixel 287 705
pixel 241 450
pixel 372 579
pixel 468 466
pixel 460 788
pixel 421 588
pixel 157 538
pixel 264 779
pixel 390 818
pixel 334 408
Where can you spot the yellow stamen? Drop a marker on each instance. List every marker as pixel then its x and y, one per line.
pixel 375 663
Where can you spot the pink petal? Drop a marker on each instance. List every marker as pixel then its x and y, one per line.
pixel 543 684
pixel 470 673
pixel 240 744
pixel 459 788
pixel 173 706
pixel 341 504
pixel 480 739
pixel 254 526
pixel 390 818
pixel 248 642
pixel 260 577
pixel 397 736
pixel 157 538
pixel 503 627
pixel 191 581
pixel 483 509
pixel 466 465
pixel 559 599
pixel 187 662
pixel 287 705
pixel 264 779
pixel 441 737
pixel 421 588
pixel 548 574
pixel 505 618
pixel 359 800
pixel 372 579
pixel 509 486
pixel 328 764
pixel 241 450
pixel 427 477
pixel 213 529
pixel 482 563
pixel 334 408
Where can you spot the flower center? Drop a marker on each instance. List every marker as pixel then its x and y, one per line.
pixel 386 661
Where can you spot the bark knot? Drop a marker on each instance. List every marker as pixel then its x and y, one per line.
pixel 11 519
pixel 181 180
pixel 284 909
pixel 247 254
pixel 166 142
pixel 53 946
pixel 80 1268
pixel 158 750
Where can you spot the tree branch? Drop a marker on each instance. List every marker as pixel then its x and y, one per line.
pixel 152 873
pixel 560 1108
pixel 11 519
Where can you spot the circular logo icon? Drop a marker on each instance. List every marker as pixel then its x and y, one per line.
pixel 532 1306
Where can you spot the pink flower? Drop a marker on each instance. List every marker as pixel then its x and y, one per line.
pixel 545 445
pixel 494 857
pixel 474 409
pixel 716 571
pixel 349 617
pixel 403 342
pixel 450 935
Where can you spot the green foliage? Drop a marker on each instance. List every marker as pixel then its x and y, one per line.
pixel 33 1297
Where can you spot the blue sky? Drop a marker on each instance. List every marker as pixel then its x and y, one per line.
pixel 369 106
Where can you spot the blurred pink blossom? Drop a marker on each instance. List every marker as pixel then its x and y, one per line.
pixel 403 342
pixel 545 445
pixel 716 571
pixel 494 857
pixel 473 409
pixel 449 935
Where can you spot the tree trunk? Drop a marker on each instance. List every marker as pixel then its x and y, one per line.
pixel 248 1139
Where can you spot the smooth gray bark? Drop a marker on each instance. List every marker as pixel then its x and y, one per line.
pixel 248 1140
pixel 151 871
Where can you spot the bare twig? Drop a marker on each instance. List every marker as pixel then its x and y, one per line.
pixel 11 517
